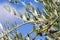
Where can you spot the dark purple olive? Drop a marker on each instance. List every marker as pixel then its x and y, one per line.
pixel 53 31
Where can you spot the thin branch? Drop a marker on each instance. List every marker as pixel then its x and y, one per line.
pixel 15 28
pixel 29 33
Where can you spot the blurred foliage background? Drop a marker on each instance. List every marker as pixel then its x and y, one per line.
pixel 45 22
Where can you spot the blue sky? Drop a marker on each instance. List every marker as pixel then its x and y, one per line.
pixel 5 16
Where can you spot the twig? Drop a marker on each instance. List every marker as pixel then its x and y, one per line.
pixel 15 28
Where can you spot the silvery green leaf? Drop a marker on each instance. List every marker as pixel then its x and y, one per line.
pixel 24 17
pixel 27 16
pixel 52 22
pixel 20 14
pixel 16 1
pixel 1 27
pixel 38 10
pixel 35 13
pixel 7 8
pixel 48 38
pixel 31 5
pixel 27 9
pixel 27 38
pixel 20 35
pixel 44 3
pixel 9 29
pixel 36 0
pixel 14 11
pixel 10 1
pixel 43 17
pixel 55 12
pixel 31 20
pixel 46 12
pixel 58 0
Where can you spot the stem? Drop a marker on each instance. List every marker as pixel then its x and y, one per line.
pixel 15 28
